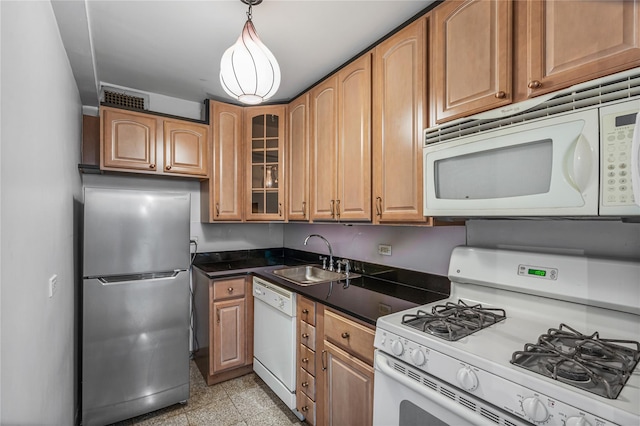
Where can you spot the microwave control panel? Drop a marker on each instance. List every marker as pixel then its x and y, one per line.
pixel 617 124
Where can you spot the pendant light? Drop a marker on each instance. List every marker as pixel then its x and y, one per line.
pixel 248 70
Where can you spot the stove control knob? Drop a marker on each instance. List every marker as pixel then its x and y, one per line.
pixel 535 409
pixel 397 348
pixel 417 357
pixel 577 421
pixel 467 379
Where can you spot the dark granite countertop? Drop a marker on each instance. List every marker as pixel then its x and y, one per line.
pixel 380 290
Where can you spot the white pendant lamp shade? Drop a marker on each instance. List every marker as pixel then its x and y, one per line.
pixel 248 70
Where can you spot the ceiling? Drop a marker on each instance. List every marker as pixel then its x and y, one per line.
pixel 173 48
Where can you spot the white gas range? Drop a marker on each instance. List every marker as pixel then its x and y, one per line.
pixel 542 353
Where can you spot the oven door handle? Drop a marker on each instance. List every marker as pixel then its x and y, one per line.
pixel 472 417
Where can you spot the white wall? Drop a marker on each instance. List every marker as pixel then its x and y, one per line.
pixel 580 237
pixel 40 189
pixel 416 248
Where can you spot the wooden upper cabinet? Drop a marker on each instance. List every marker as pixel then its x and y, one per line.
pixel 128 140
pixel 186 148
pixel 472 57
pixel 569 42
pixel 298 159
pixel 265 135
pixel 221 196
pixel 145 143
pixel 324 156
pixel 341 144
pixel 399 99
pixel 353 197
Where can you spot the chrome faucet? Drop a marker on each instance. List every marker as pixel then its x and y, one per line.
pixel 328 245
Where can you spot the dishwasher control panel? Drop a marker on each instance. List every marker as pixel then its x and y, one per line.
pixel 280 298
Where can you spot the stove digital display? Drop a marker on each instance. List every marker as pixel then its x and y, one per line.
pixel 538 272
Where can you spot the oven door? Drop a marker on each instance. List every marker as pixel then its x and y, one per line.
pixel 406 396
pixel 544 168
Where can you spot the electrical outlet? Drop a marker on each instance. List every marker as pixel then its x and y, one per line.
pixel 384 249
pixel 53 285
pixel 194 239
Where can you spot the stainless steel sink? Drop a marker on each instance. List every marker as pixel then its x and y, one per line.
pixel 309 275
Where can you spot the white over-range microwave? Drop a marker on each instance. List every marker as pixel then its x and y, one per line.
pixel 579 162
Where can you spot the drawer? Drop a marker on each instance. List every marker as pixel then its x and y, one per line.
pixel 225 289
pixel 306 310
pixel 349 335
pixel 307 335
pixel 307 407
pixel 307 383
pixel 307 359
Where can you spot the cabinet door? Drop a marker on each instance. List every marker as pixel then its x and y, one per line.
pixel 348 389
pixel 128 140
pixel 471 57
pixel 298 164
pixel 353 199
pixel 222 194
pixel 324 159
pixel 228 340
pixel 575 41
pixel 186 148
pixel 399 94
pixel 265 139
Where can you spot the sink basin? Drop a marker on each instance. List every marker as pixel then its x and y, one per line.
pixel 309 275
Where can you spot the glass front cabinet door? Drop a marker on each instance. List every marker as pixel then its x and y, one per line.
pixel 265 141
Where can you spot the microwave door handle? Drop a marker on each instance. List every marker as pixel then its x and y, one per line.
pixel 580 163
pixel 635 161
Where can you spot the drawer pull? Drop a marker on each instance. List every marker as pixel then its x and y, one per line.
pixel 345 335
pixel 534 84
pixel 304 384
pixel 230 289
pixel 305 335
pixel 304 409
pixel 305 360
pixel 305 311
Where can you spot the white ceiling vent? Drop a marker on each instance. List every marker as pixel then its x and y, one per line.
pixel 124 98
pixel 596 92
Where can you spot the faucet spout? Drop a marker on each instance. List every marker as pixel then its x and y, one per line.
pixel 328 245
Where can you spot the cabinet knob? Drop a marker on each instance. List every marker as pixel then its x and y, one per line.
pixel 345 335
pixel 304 384
pixel 305 311
pixel 534 84
pixel 305 335
pixel 305 360
pixel 152 166
pixel 501 95
pixel 304 409
pixel 168 167
pixel 230 289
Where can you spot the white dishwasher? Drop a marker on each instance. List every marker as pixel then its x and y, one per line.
pixel 274 339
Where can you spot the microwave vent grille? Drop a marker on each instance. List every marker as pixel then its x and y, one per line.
pixel 598 92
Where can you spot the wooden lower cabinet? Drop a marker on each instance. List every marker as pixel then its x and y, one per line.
pixel 224 327
pixel 335 381
pixel 348 395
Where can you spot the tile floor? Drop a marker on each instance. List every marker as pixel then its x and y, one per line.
pixel 245 401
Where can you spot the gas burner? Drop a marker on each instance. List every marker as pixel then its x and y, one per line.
pixel 600 366
pixel 453 321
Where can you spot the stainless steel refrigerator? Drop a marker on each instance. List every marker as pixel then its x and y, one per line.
pixel 135 303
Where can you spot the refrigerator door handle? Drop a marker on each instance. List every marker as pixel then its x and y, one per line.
pixel 122 279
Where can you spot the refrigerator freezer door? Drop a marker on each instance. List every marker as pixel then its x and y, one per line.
pixel 135 352
pixel 128 232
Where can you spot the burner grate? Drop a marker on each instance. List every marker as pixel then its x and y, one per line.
pixel 599 366
pixel 453 321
